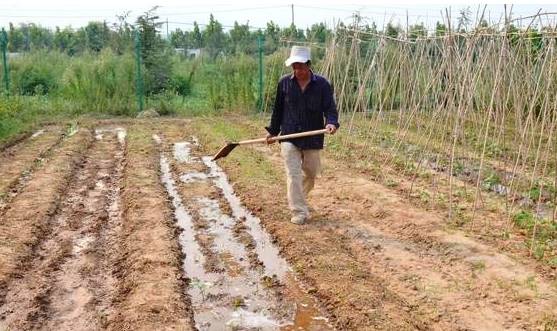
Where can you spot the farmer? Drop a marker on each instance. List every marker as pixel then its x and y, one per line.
pixel 304 102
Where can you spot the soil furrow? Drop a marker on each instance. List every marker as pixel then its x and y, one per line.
pixel 18 162
pixel 220 289
pixel 239 292
pixel 27 218
pixel 69 284
pixel 16 139
pixel 151 288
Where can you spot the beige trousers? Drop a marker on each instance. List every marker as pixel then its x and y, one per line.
pixel 302 166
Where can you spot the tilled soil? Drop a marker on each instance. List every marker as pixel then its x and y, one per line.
pixel 239 280
pixel 129 225
pixel 68 283
pixel 18 162
pixel 425 274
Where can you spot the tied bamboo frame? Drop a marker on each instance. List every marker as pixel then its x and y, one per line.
pixel 482 103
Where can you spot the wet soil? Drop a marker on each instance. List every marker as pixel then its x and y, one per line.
pixel 129 225
pixel 25 220
pixel 239 281
pixel 18 162
pixel 69 283
pixel 151 288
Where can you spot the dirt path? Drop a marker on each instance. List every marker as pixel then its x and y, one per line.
pixel 89 243
pixel 464 282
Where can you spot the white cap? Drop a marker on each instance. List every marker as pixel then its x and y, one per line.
pixel 299 54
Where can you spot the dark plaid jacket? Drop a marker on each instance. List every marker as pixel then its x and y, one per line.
pixel 296 111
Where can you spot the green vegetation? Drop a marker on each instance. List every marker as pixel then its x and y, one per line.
pixel 478 266
pixel 543 244
pixel 215 131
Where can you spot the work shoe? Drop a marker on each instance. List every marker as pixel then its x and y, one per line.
pixel 298 219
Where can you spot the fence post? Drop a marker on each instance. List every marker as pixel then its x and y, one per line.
pixel 4 45
pixel 260 51
pixel 138 77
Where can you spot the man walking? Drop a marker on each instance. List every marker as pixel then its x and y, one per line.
pixel 304 102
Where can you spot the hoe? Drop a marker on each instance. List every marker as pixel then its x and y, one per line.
pixel 230 146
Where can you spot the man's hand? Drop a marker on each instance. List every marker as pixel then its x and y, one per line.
pixel 331 128
pixel 269 141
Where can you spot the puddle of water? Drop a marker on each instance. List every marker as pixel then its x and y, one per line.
pixel 80 244
pixel 268 253
pixel 193 177
pixel 307 316
pixel 247 319
pixel 215 297
pixel 157 139
pixel 193 260
pixel 120 133
pixel 182 152
pixel 220 226
pixel 36 134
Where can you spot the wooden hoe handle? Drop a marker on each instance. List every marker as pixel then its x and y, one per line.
pixel 287 136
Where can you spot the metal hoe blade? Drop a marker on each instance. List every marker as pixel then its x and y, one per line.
pixel 225 151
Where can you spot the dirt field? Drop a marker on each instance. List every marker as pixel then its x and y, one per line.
pixel 129 225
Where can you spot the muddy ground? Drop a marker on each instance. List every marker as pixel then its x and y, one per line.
pixel 127 225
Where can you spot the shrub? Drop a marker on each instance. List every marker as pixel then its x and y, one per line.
pixel 35 80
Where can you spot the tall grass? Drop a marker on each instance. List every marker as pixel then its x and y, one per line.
pixel 50 82
pixel 231 83
pixel 100 83
pixel 91 82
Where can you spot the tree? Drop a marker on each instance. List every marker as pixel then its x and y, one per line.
pixel 292 33
pixel 440 29
pixel 392 30
pixel 214 37
pixel 66 41
pixel 178 38
pixel 242 40
pixel 416 31
pixel 464 19
pixel 318 33
pixel 96 34
pixel 121 38
pixel 272 37
pixel 153 52
pixel 39 37
pixel 16 39
pixel 197 37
